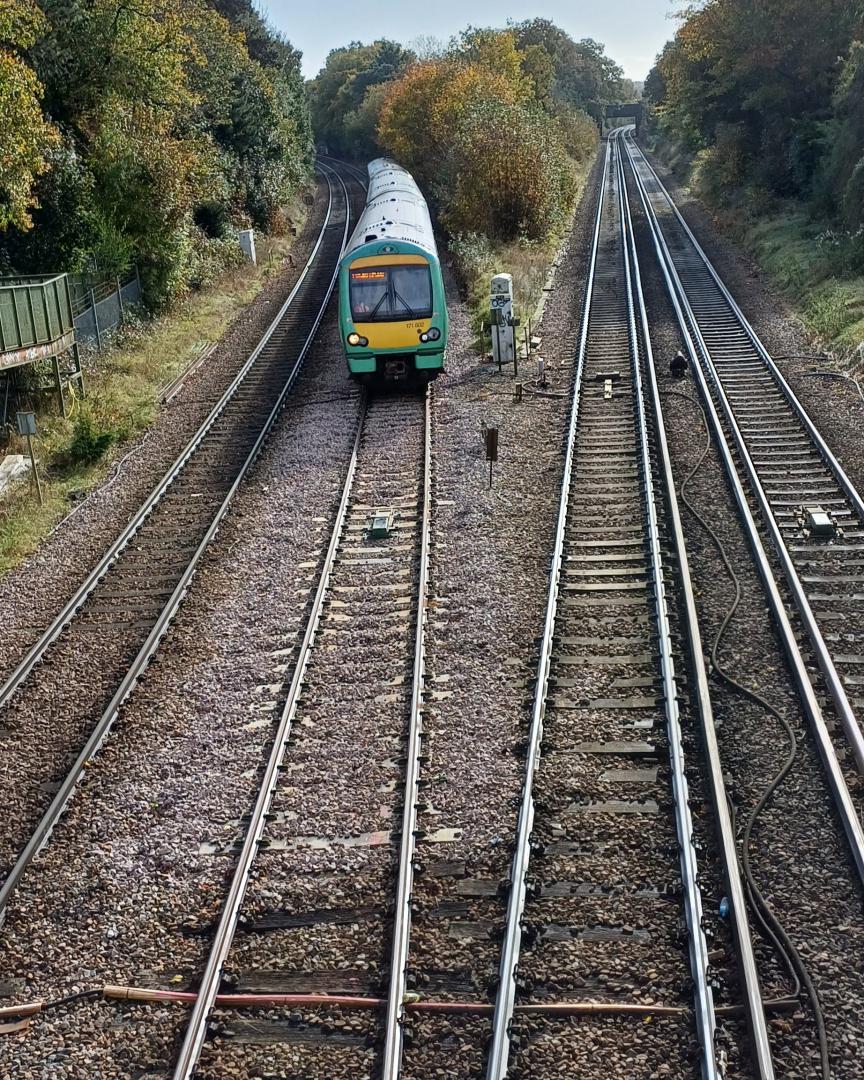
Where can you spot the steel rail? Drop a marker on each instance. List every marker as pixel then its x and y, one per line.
pixel 697 944
pixel 499 1050
pixel 821 445
pixel 837 783
pixel 97 736
pixel 748 971
pixel 196 1029
pixel 358 174
pixel 849 721
pixel 35 653
pixel 402 918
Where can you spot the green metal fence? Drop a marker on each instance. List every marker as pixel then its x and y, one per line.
pixel 34 311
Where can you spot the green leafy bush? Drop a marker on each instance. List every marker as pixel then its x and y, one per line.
pixel 90 438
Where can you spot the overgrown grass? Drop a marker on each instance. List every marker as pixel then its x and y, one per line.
pixel 123 387
pixel 793 249
pixel 476 260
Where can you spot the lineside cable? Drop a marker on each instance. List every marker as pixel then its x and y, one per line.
pixel 765 914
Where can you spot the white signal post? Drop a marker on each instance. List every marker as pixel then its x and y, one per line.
pixel 501 318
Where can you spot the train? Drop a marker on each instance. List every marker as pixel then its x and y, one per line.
pixel 392 308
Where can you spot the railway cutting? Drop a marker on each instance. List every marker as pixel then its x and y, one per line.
pixel 556 825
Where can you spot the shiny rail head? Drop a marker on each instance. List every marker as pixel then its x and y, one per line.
pixel 147 650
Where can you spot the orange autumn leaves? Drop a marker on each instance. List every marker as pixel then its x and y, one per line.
pixel 470 126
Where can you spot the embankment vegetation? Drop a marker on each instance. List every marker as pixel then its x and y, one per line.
pixel 144 133
pixel 762 106
pixel 498 126
pixel 123 398
pixel 141 133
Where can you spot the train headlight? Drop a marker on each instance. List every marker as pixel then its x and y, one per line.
pixel 424 337
pixel 433 334
pixel 356 339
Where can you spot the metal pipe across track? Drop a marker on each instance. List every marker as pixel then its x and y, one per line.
pixel 618 438
pixel 197 1027
pixel 187 506
pixel 652 194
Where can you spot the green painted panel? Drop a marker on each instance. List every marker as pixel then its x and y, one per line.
pixel 33 311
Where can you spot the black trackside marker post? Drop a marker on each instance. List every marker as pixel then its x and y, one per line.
pixel 491 449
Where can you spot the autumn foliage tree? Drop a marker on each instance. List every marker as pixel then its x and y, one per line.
pixel 512 175
pixel 481 129
pixel 492 125
pixel 346 95
pixel 755 87
pixel 572 73
pixel 165 120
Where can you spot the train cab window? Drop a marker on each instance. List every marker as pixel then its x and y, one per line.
pixel 390 294
pixel 369 293
pixel 412 291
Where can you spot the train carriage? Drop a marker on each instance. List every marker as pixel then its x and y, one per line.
pixel 392 309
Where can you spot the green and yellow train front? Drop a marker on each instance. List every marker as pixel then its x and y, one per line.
pixel 392 312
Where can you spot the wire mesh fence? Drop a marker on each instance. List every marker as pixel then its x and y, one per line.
pixel 100 306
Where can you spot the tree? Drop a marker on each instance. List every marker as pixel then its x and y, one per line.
pixel 582 74
pixel 845 164
pixel 409 112
pixel 26 138
pixel 513 177
pixel 337 94
pixel 480 127
pixel 170 112
pixel 766 70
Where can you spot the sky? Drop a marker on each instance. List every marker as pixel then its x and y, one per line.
pixel 633 31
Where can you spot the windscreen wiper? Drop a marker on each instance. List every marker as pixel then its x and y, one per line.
pixel 411 313
pixel 374 310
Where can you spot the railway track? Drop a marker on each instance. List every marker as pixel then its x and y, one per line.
pixel 788 486
pixel 358 175
pixel 73 681
pixel 358 677
pixel 316 931
pixel 605 797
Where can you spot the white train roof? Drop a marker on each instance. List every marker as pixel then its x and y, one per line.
pixel 395 210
